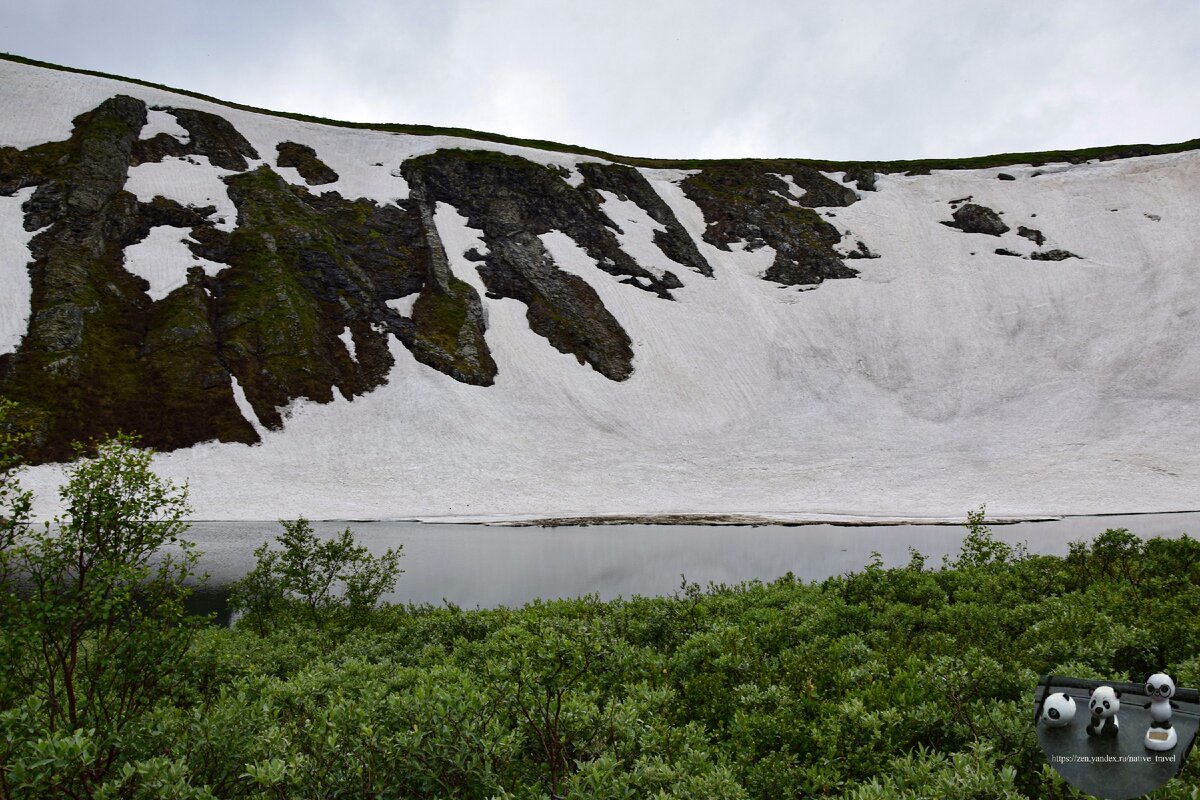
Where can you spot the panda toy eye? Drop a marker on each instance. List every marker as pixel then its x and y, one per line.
pixel 1151 688
pixel 1164 690
pixel 1106 704
pixel 1053 713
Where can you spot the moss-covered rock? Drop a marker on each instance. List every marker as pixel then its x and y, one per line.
pixel 514 201
pixel 304 159
pixel 209 135
pixel 746 203
pixel 101 356
pixel 628 184
pixel 96 357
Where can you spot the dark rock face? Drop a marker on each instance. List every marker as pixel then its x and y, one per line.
pixel 973 218
pixel 744 203
pixel 448 317
pixel 1001 251
pixel 863 178
pixel 1004 176
pixel 1053 255
pixel 819 191
pixel 314 171
pixel 288 292
pixel 305 268
pixel 208 135
pixel 514 201
pixel 98 356
pixel 1032 234
pixel 628 184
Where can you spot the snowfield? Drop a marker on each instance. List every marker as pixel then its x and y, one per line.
pixel 944 377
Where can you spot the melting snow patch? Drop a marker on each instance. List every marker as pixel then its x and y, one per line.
pixel 193 182
pixel 158 121
pixel 243 404
pixel 15 288
pixel 574 177
pixel 794 192
pixel 348 340
pixel 668 175
pixel 458 238
pixel 163 259
pixel 402 305
pixel 637 234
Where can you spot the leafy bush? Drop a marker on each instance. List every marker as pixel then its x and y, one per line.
pixel 94 624
pixel 301 578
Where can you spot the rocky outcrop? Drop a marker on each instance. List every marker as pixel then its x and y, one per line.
pixel 98 356
pixel 628 184
pixel 746 203
pixel 820 191
pixel 974 218
pixel 1053 255
pixel 1032 234
pixel 209 135
pixel 513 202
pixel 448 320
pixel 304 159
pixel 863 177
pixel 288 293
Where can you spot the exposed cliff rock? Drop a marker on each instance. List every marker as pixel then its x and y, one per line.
pixel 745 203
pixel 314 171
pixel 514 201
pixel 100 355
pixel 89 364
pixel 628 184
pixel 209 135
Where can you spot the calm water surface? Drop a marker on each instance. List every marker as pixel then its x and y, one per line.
pixel 474 565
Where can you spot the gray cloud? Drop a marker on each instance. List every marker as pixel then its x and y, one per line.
pixel 689 78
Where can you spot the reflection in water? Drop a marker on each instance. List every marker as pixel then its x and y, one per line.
pixel 211 599
pixel 473 565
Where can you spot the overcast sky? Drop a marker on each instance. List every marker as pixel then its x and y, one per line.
pixel 843 79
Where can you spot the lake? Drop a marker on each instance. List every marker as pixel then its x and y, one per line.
pixel 476 565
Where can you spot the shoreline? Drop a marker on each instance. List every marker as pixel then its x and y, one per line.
pixel 716 519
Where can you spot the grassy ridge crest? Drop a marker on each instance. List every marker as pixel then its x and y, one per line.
pixel 911 166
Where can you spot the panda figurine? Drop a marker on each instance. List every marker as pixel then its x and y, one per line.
pixel 1058 710
pixel 1104 704
pixel 1160 688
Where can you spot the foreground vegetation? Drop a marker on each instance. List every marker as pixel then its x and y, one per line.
pixel 887 683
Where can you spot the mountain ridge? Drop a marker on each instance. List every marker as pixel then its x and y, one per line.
pixel 1034 158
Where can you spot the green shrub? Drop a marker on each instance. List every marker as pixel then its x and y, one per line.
pixel 301 578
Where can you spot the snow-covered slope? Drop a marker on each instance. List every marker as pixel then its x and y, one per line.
pixel 941 377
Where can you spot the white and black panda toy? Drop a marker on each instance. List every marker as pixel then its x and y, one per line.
pixel 1160 688
pixel 1058 710
pixel 1104 704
